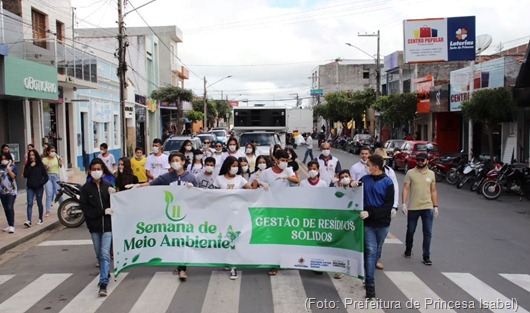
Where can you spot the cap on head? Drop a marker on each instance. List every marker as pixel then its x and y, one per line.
pixel 422 155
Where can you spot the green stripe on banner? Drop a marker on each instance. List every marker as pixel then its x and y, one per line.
pixel 307 227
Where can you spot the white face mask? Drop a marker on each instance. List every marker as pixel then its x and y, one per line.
pixel 232 148
pixel 244 168
pixel 188 148
pixel 155 150
pixel 262 166
pixel 176 166
pixel 53 154
pixel 198 157
pixel 5 162
pixel 248 151
pixel 282 165
pixel 234 170
pixel 96 175
pixel 313 173
pixel 208 169
pixel 326 153
pixel 121 171
pixel 102 151
pixel 345 181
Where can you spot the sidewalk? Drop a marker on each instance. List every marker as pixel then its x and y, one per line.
pixel 23 233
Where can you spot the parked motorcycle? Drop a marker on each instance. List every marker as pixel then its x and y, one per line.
pixel 470 172
pixel 513 178
pixel 482 175
pixel 69 212
pixel 454 175
pixel 442 165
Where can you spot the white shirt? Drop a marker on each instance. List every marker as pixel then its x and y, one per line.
pixel 320 183
pixel 157 165
pixel 358 170
pixel 392 175
pixel 251 162
pixel 236 155
pixel 309 142
pixel 195 168
pixel 205 181
pixel 219 158
pixel 329 169
pixel 236 182
pixel 273 179
pixel 108 160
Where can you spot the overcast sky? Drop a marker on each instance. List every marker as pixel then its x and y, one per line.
pixel 270 47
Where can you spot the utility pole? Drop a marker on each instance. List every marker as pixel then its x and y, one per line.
pixel 205 108
pixel 122 69
pixel 371 111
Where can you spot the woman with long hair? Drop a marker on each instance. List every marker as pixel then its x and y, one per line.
pixel 125 175
pixel 187 150
pixel 292 163
pixel 261 165
pixel 196 166
pixel 36 177
pixel 250 154
pixel 8 189
pixel 53 164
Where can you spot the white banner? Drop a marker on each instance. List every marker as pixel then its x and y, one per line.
pixel 303 228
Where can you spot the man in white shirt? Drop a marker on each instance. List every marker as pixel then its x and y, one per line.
pixel 328 164
pixel 279 174
pixel 157 163
pixel 107 158
pixel 359 169
pixel 206 178
pixel 309 151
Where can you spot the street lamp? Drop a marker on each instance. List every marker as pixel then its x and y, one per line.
pixel 205 99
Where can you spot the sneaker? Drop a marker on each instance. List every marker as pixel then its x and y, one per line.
pixel 103 290
pixel 40 222
pixel 27 223
pixel 407 254
pixel 379 265
pixel 11 229
pixel 182 275
pixel 427 261
pixel 233 273
pixel 370 291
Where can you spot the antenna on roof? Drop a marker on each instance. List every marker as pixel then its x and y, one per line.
pixel 483 43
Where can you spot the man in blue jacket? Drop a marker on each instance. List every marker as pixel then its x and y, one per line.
pixel 378 203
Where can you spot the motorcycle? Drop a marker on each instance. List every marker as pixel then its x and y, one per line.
pixel 482 175
pixel 442 165
pixel 69 212
pixel 510 178
pixel 454 175
pixel 470 172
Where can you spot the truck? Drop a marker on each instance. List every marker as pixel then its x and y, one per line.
pixel 300 119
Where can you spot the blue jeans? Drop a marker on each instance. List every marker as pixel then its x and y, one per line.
pixel 102 243
pixel 374 237
pixel 427 218
pixel 31 193
pixel 308 152
pixel 52 188
pixel 8 202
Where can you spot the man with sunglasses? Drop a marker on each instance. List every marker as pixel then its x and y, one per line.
pixel 420 183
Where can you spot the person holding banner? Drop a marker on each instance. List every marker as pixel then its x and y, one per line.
pixel 329 164
pixel 314 179
pixel 378 203
pixel 177 176
pixel 261 165
pixel 95 204
pixel 279 175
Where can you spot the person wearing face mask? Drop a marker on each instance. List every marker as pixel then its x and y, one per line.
pixel 359 169
pixel 177 176
pixel 245 168
pixel 294 165
pixel 261 165
pixel 219 155
pixel 230 178
pixel 8 189
pixel 156 163
pixel 280 174
pixel 329 164
pixel 138 165
pixel 53 164
pixel 95 204
pixel 125 175
pixel 5 149
pixel 106 176
pixel 107 157
pixel 250 154
pixel 206 178
pixel 36 177
pixel 313 180
pixel 378 200
pixel 187 150
pixel 345 180
pixel 197 166
pixel 233 148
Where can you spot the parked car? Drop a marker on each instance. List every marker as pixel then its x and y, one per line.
pixel 221 135
pixel 173 143
pixel 361 140
pixel 393 144
pixel 405 157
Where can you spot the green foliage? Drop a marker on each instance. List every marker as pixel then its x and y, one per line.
pixel 342 106
pixel 194 116
pixel 490 107
pixel 397 108
pixel 172 94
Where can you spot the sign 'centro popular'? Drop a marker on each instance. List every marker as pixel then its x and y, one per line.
pixel 39 85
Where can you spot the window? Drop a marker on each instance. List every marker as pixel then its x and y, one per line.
pixel 13 6
pixel 106 130
pixel 38 20
pixel 59 30
pixel 366 74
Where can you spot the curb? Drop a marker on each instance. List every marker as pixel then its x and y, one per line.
pixel 29 236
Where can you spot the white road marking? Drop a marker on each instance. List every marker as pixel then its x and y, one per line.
pixel 288 293
pixel 352 294
pixel 4 278
pixel 222 294
pixel 51 243
pixel 158 294
pixel 521 280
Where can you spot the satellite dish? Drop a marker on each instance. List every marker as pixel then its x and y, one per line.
pixel 483 43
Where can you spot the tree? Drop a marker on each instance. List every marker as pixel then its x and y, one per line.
pixel 344 106
pixel 198 105
pixel 194 116
pixel 490 107
pixel 397 108
pixel 174 94
pixel 223 111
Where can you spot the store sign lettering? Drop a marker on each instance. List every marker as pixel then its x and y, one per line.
pixel 39 85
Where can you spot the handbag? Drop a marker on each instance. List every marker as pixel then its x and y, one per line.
pixel 63 175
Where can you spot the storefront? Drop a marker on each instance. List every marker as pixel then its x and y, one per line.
pixel 521 93
pixel 28 95
pixel 447 126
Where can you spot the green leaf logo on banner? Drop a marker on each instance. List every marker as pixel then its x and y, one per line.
pixel 173 212
pixel 339 194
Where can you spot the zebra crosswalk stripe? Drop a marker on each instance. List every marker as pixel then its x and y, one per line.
pixel 88 298
pixel 222 294
pixel 414 288
pixel 521 280
pixel 482 292
pixel 32 293
pixel 288 293
pixel 346 288
pixel 4 278
pixel 158 294
pixel 51 243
